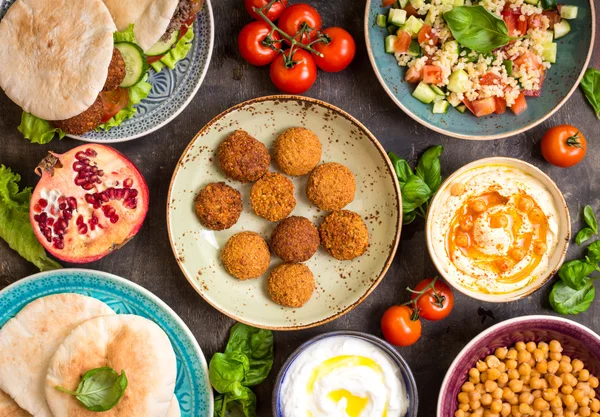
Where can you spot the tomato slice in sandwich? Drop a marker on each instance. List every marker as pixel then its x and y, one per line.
pixel 114 101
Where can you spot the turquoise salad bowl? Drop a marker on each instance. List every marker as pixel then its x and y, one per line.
pixel 574 53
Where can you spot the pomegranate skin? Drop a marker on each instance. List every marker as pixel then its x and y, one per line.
pixel 89 202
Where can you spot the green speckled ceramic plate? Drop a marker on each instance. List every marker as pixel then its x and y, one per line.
pixel 574 53
pixel 341 285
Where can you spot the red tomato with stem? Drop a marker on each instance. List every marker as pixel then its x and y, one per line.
pixel 300 17
pixel 254 45
pixel 433 305
pixel 113 102
pixel 274 12
pixel 295 75
pixel 400 326
pixel 564 146
pixel 338 52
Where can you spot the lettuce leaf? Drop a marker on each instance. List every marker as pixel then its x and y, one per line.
pixel 177 53
pixel 125 36
pixel 15 227
pixel 136 94
pixel 38 130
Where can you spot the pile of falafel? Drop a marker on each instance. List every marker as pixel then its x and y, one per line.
pixel 330 187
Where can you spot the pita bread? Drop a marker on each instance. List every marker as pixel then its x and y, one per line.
pixel 150 18
pixel 28 342
pixel 55 55
pixel 9 408
pixel 174 410
pixel 127 343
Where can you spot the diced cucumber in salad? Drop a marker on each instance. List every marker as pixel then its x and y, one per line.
pixel 455 66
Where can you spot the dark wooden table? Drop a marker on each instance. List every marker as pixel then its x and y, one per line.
pixel 148 260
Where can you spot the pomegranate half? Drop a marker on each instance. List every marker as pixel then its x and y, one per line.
pixel 88 203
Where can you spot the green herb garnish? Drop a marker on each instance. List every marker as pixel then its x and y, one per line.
pixel 587 232
pixel 590 84
pixel 100 389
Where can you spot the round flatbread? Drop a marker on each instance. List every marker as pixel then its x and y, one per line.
pixel 30 339
pixel 55 55
pixel 150 18
pixel 174 410
pixel 9 408
pixel 127 343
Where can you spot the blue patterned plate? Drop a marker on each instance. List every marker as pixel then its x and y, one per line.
pixel 192 389
pixel 172 90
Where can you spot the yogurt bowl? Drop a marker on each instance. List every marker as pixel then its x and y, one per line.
pixel 498 229
pixel 345 373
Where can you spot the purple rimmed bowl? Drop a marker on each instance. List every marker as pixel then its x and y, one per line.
pixel 578 342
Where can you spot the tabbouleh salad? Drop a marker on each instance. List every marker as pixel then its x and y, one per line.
pixel 486 55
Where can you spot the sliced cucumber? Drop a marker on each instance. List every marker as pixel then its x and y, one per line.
pixel 549 53
pixel 561 29
pixel 413 25
pixel 569 12
pixel 414 49
pixel 441 107
pixel 452 47
pixel 135 63
pixel 161 48
pixel 457 82
pixel 403 3
pixel 508 64
pixel 461 108
pixel 390 44
pixel 392 29
pixel 397 17
pixel 429 19
pixel 381 21
pixel 548 37
pixel 534 2
pixel 417 4
pixel 437 90
pixel 424 93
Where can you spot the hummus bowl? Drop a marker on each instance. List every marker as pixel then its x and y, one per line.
pixel 345 373
pixel 498 229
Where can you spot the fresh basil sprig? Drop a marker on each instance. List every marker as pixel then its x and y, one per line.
pixel 100 389
pixel 590 84
pixel 419 186
pixel 246 362
pixel 476 28
pixel 587 232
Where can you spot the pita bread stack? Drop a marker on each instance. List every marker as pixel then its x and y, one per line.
pixel 54 340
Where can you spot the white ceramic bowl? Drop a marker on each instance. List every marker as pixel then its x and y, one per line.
pixel 563 236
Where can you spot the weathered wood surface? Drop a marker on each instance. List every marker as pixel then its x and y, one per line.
pixel 148 260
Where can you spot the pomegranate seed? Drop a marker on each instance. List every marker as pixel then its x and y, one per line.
pixel 72 203
pixel 100 173
pixel 80 156
pixel 67 215
pixel 93 169
pixel 37 208
pixel 50 221
pixel 43 217
pixel 43 203
pixel 59 245
pixel 89 198
pixel 134 193
pixel 128 182
pixel 131 203
pixel 125 193
pixel 87 186
pixel 94 219
pixel 78 166
pixel 90 152
pixel 79 220
pixel 93 178
pixel 83 229
pixel 114 219
pixel 79 181
pixel 104 197
pixel 62 206
pixel 111 193
pixel 61 199
pixel 36 217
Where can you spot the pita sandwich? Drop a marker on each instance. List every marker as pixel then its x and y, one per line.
pixel 128 343
pixel 29 340
pixel 9 408
pixel 174 410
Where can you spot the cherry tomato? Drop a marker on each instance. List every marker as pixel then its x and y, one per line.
pixel 251 43
pixel 274 12
pixel 295 17
pixel 563 146
pixel 298 77
pixel 399 328
pixel 114 101
pixel 434 306
pixel 338 53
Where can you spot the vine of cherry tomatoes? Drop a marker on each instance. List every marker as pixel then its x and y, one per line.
pixel 431 299
pixel 295 46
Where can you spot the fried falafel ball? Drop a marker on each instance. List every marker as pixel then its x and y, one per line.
pixel 242 157
pixel 344 235
pixel 218 206
pixel 83 122
pixel 272 197
pixel 291 285
pixel 331 186
pixel 116 71
pixel 295 239
pixel 246 255
pixel 297 151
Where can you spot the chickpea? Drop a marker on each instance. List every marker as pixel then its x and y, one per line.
pixel 555 346
pixel 553 366
pixel 462 240
pixel 488 413
pixel 540 405
pixel 475 405
pixel 474 373
pixel 463 398
pixel 513 374
pixel 496 406
pixel 569 413
pixel 595 405
pixel 537 216
pixel 459 413
pixel 555 356
pixel 542 367
pixel 584 375
pixel 486 399
pixel 517 253
pixel 501 353
pixel 539 247
pixel 492 361
pixel 457 189
pixel 474 395
pixel 566 389
pixel 543 346
pixel 584 411
pixel 502 379
pixel 524 408
pixel 569 400
pixel 555 381
pixel 512 353
pixel 526 398
pixel 497 394
pixel 548 394
pixel 516 385
pixel 537 382
pixel 556 403
pixel 493 374
pixel 577 365
pixel 511 364
pixel 490 385
pixel 530 346
pixel 478 205
pixel 538 355
pixel 506 409
pixel 467 387
pixel 464 407
pixel 477 412
pixel 519 346
pixel 466 223
pixel 525 204
pixel 499 221
pixel 503 264
pixel 507 393
pixel 524 369
pixel 524 356
pixel 564 367
pixel 593 381
pixel 481 366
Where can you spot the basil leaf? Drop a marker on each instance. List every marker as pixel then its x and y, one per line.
pixel 476 28
pixel 566 300
pixel 575 273
pixel 408 218
pixel 257 345
pixel 590 84
pixel 414 193
pixel 590 218
pixel 429 168
pixel 226 371
pixel 593 253
pixel 100 389
pixel 403 170
pixel 244 403
pixel 583 235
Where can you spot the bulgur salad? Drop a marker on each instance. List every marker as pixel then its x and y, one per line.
pixel 485 56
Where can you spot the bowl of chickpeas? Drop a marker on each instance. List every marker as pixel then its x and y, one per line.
pixel 531 366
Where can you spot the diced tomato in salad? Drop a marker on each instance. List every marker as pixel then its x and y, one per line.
pixel 538 92
pixel 403 41
pixel 413 76
pixel 520 105
pixel 484 106
pixel 490 78
pixel 500 105
pixel 530 60
pixel 515 22
pixel 410 10
pixel 469 105
pixel 552 16
pixel 386 3
pixel 432 74
pixel 427 36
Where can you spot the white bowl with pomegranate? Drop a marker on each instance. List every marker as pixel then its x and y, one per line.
pixel 498 229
